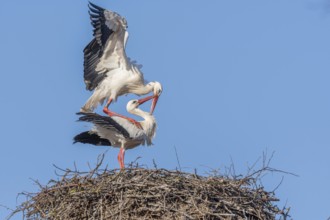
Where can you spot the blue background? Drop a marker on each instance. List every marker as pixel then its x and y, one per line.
pixel 241 78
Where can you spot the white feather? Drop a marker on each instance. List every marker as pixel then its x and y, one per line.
pixel 122 76
pixel 137 136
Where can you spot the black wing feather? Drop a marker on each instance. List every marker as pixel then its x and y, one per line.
pixel 104 121
pixel 96 6
pixel 94 50
pixel 89 137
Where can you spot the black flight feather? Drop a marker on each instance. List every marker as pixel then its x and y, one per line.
pixel 104 121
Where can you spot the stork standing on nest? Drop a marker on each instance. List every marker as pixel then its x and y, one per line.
pixel 107 69
pixel 119 132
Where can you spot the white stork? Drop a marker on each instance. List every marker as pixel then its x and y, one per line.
pixel 107 69
pixel 119 132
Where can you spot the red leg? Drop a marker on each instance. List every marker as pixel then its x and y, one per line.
pixel 123 158
pixel 106 108
pixel 120 157
pixel 110 113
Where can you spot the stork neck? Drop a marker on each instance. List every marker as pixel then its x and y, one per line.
pixel 148 124
pixel 145 89
pixel 148 118
pixel 139 112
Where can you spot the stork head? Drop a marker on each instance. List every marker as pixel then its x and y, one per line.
pixel 134 104
pixel 124 22
pixel 158 89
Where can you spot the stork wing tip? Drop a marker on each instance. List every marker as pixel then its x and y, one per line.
pixel 90 4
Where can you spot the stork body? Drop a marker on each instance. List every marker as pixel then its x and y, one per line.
pixel 119 132
pixel 107 70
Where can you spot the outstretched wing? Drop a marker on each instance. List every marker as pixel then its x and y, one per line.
pixel 91 137
pixel 107 50
pixel 104 121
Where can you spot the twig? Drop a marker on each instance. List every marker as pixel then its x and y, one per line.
pixel 177 158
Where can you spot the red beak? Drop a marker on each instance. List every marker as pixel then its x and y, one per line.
pixel 141 101
pixel 154 103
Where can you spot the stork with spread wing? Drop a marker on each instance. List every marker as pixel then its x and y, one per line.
pixel 107 69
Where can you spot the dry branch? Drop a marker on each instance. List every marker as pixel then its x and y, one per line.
pixel 138 193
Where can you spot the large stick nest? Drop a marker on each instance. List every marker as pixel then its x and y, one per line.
pixel 139 193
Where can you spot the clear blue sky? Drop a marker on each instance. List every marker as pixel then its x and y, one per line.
pixel 240 78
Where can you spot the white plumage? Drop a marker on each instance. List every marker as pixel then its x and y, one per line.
pixel 107 70
pixel 119 132
pixel 137 136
